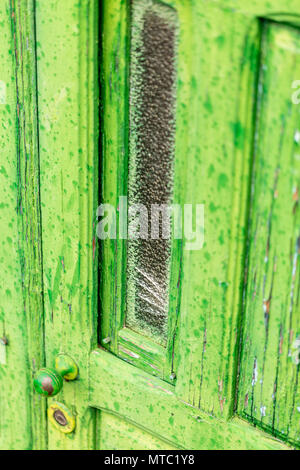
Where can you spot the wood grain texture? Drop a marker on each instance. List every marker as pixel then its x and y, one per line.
pixel 151 404
pixel 269 380
pixel 53 146
pixel 212 162
pixel 282 10
pixel 23 421
pixel 68 93
pixel 15 429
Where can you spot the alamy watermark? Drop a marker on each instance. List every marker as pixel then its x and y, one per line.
pixel 159 221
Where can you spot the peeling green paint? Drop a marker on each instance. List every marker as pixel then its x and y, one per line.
pixel 142 394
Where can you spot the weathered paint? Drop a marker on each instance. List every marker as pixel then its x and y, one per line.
pixel 205 285
pixel 49 382
pixel 269 393
pixel 67 83
pixel 219 47
pixel 113 433
pixel 61 418
pixel 152 405
pixel 22 313
pixel 218 65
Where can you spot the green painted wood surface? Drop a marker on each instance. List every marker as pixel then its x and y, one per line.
pixel 269 391
pixel 12 318
pixel 22 416
pixel 50 133
pixel 217 57
pixel 218 67
pixel 67 84
pixel 152 405
pixel 116 434
pixel 115 132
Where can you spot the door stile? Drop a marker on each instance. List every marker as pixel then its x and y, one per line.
pixel 68 97
pixel 28 202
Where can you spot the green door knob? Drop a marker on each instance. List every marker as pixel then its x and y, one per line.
pixel 49 382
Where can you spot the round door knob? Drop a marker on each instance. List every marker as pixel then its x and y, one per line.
pixel 49 382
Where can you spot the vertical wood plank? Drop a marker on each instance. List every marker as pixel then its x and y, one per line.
pixel 269 380
pixel 24 265
pixel 114 433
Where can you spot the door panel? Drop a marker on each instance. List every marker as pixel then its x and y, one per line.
pixel 12 319
pixel 22 413
pixel 169 380
pixel 269 387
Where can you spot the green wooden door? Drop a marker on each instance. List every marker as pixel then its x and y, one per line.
pixel 185 342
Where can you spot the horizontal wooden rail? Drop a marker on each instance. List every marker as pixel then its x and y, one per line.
pixel 122 389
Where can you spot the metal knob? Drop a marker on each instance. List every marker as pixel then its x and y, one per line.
pixel 49 382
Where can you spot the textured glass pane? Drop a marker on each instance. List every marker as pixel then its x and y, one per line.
pixel 152 129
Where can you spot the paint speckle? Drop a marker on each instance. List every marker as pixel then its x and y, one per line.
pixel 222 181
